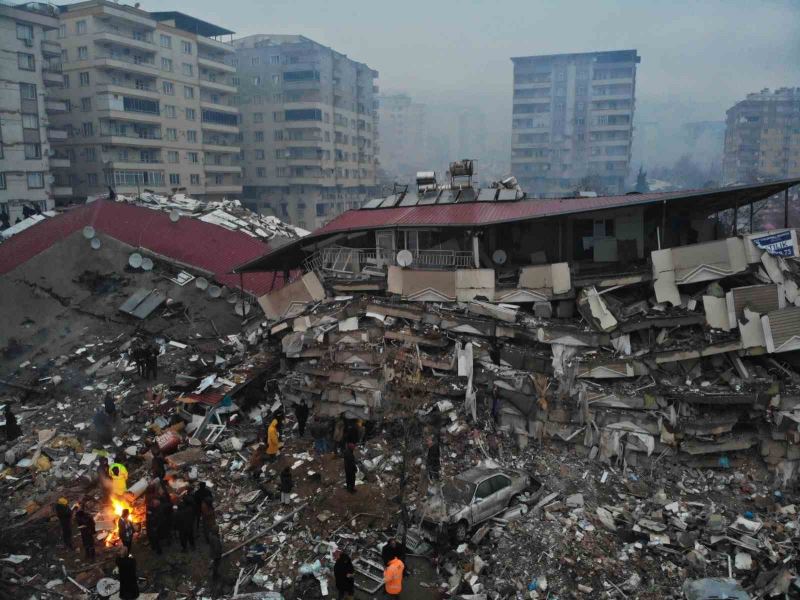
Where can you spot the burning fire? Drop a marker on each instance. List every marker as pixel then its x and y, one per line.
pixel 114 512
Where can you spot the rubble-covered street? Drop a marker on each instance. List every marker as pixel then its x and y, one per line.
pixel 617 428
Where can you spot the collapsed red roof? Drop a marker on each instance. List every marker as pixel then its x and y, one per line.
pixel 191 242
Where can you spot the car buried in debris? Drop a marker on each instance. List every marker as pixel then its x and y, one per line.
pixel 472 497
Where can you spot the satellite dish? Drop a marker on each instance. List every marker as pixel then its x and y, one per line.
pixel 405 258
pixel 214 291
pixel 232 298
pixel 135 260
pixel 242 308
pixel 96 243
pixel 201 283
pixel 499 257
pixel 147 264
pixel 174 215
pixel 88 232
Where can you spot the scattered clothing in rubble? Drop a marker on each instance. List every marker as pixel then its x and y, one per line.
pixel 13 430
pixel 64 515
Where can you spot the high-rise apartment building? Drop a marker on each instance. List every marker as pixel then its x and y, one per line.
pixel 30 73
pixel 403 135
pixel 573 119
pixel 309 128
pixel 149 102
pixel 762 137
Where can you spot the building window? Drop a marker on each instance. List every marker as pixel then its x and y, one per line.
pixel 33 151
pixel 174 179
pixel 278 135
pixel 24 32
pixel 35 180
pixel 86 104
pixel 258 136
pixel 191 115
pixel 188 92
pixel 169 89
pixel 194 157
pixel 91 179
pixel 258 117
pixel 260 154
pixel 188 70
pixel 186 47
pixel 88 129
pixel 30 121
pixel 80 27
pixel 194 179
pixel 26 62
pixel 172 156
pixel 83 52
pixel 84 78
pixel 27 91
pixel 166 64
pixel 165 41
pixel 191 136
pixel 261 172
pixel 171 134
pixel 169 111
pixel 219 179
pixel 254 60
pixel 275 59
pixel 66 81
pixel 91 155
pixel 64 55
pixel 62 31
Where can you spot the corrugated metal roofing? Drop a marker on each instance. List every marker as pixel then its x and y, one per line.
pixel 189 241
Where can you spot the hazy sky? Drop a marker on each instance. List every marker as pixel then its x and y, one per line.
pixel 711 52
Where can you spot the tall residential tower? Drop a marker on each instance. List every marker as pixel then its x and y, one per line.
pixel 573 121
pixel 309 128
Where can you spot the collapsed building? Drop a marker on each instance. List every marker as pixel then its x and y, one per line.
pixel 635 327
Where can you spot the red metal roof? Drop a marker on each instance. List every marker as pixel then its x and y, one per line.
pixel 190 241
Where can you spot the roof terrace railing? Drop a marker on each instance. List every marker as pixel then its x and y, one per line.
pixel 339 260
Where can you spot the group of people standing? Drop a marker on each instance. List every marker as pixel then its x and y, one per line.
pixel 146 358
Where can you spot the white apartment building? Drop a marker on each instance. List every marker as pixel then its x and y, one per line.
pixel 150 102
pixel 30 74
pixel 573 119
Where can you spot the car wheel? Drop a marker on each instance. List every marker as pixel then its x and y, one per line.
pixel 461 531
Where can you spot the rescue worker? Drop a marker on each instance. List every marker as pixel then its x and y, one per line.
pixel 184 523
pixel 286 485
pixel 273 439
pixel 350 468
pixel 138 356
pixel 153 505
pixel 151 361
pixel 128 582
pixel 86 527
pixel 109 405
pixel 319 433
pixel 344 572
pixel 301 412
pixel 103 478
pixel 125 530
pixel 119 479
pixel 166 518
pixel 64 515
pixel 393 578
pixel 208 518
pixel 201 494
pixel 13 430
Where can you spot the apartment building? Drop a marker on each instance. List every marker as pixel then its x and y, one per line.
pixel 149 102
pixel 30 74
pixel 762 137
pixel 403 135
pixel 309 128
pixel 573 119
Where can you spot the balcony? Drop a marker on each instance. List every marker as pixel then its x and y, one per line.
pixel 217 86
pixel 55 106
pixel 124 63
pixel 61 191
pixel 215 64
pixel 56 134
pixel 212 168
pixel 208 126
pixel 225 188
pixel 51 49
pixel 52 77
pixel 221 148
pixel 215 44
pixel 226 108
pixel 129 89
pixel 59 162
pixel 129 164
pixel 122 138
pixel 123 38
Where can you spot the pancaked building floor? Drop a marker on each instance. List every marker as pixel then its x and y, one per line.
pixel 655 417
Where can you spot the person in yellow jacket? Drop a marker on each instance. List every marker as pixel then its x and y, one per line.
pixel 119 479
pixel 393 578
pixel 273 439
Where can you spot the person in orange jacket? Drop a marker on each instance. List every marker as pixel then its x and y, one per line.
pixel 393 578
pixel 273 439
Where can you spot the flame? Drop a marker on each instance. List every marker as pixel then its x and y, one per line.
pixel 114 511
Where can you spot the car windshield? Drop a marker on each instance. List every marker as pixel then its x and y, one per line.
pixel 457 490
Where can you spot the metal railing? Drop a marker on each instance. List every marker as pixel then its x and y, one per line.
pixel 127 34
pixel 351 261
